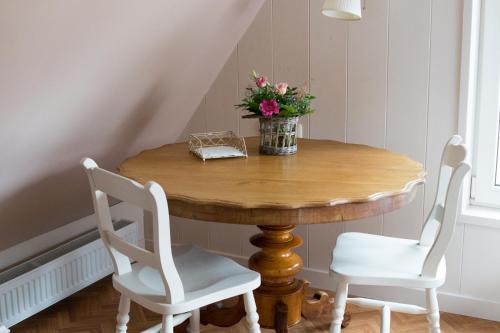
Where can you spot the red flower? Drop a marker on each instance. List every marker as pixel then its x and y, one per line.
pixel 268 107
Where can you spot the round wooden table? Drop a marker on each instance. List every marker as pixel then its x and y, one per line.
pixel 325 182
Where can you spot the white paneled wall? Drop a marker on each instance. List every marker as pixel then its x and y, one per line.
pixel 407 101
pixel 444 82
pixel 390 80
pixel 367 88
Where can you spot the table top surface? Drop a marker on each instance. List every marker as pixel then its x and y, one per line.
pixel 323 174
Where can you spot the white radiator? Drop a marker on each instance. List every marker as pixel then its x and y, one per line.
pixel 38 283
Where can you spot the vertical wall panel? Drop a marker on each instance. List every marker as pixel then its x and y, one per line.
pixel 291 44
pixel 322 239
pixel 195 232
pixel 290 33
pixel 246 232
pixel 221 98
pixel 454 262
pixel 196 124
pixel 328 52
pixel 175 229
pixel 408 77
pixel 367 87
pixel 407 100
pixel 481 270
pixel 225 237
pixel 443 86
pixel 328 71
pixel 222 116
pixel 444 78
pixel 406 222
pixel 303 232
pixel 367 76
pixel 255 52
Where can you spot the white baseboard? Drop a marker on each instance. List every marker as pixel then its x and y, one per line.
pixel 45 241
pixel 448 302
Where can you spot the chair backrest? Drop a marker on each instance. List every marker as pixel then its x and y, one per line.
pixel 152 199
pixel 440 224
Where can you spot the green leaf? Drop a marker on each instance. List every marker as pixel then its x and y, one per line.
pixel 288 111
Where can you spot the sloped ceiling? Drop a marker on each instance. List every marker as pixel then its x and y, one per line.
pixel 103 79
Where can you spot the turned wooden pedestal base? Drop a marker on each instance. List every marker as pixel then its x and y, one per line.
pixel 281 298
pixel 278 266
pixel 279 307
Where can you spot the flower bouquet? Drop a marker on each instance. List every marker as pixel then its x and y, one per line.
pixel 278 108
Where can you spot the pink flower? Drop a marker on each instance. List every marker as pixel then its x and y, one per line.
pixel 281 88
pixel 261 81
pixel 268 107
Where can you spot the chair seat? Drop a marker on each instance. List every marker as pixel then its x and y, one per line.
pixel 367 259
pixel 206 278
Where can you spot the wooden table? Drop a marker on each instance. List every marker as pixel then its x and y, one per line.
pixel 325 182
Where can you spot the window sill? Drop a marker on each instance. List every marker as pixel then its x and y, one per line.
pixel 480 216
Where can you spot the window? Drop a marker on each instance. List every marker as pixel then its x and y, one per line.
pixel 485 189
pixel 497 171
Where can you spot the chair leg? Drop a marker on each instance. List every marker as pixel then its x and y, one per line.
pixel 194 322
pixel 385 320
pixel 167 324
pixel 251 310
pixel 339 307
pixel 123 317
pixel 433 310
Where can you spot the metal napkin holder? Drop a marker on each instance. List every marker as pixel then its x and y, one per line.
pixel 213 145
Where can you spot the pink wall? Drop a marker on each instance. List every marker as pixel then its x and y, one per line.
pixel 103 79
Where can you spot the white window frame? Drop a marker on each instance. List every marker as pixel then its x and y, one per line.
pixel 484 191
pixel 472 213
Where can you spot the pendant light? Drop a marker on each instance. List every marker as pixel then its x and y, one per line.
pixel 342 9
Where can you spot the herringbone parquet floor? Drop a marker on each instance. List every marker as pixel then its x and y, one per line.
pixel 93 310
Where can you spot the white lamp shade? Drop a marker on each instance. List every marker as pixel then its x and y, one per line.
pixel 342 9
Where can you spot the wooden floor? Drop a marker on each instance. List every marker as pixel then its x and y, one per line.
pixel 93 310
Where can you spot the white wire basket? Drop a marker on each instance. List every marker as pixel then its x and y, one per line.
pixel 214 145
pixel 278 136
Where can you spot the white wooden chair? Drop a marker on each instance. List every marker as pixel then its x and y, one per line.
pixel 366 259
pixel 172 281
